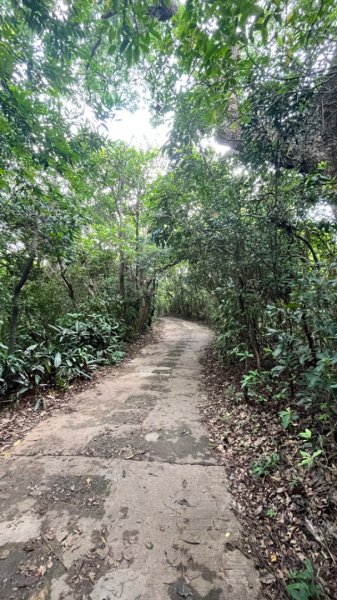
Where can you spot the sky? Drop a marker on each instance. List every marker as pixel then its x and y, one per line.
pixel 135 129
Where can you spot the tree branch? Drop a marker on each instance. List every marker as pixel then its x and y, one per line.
pixel 105 17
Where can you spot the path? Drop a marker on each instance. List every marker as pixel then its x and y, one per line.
pixel 122 497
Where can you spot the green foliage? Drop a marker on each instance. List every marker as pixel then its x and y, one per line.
pixel 179 294
pixel 95 236
pixel 64 239
pixel 288 417
pixel 308 458
pixel 306 435
pixel 72 348
pixel 265 465
pixel 303 584
pixel 266 273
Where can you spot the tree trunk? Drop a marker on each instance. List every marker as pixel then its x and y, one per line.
pixel 251 338
pixel 121 268
pixel 121 274
pixel 137 218
pixel 17 292
pixel 70 289
pixel 309 337
pixel 141 317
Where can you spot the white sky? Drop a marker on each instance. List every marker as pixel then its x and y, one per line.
pixel 136 129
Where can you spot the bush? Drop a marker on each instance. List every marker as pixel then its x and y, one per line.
pixel 72 348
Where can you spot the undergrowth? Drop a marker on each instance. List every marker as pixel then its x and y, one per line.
pixel 72 348
pixel 281 467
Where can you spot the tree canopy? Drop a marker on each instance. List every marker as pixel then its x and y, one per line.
pixel 97 236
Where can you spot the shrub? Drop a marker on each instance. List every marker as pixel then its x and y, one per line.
pixel 72 348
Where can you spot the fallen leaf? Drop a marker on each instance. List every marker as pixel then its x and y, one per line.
pixel 183 502
pixel 91 576
pixel 41 595
pixel 182 590
pixel 41 570
pixel 267 579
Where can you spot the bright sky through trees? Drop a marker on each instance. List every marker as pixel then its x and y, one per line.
pixel 135 129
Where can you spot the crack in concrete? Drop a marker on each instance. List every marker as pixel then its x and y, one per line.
pixel 117 458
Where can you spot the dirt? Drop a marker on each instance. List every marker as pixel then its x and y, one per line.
pixel 140 401
pixel 163 445
pixel 78 494
pixel 28 570
pixel 121 495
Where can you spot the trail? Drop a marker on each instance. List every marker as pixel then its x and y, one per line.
pixel 121 497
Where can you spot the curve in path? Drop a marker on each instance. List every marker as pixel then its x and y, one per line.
pixel 121 497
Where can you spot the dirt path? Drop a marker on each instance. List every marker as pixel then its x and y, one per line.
pixel 122 498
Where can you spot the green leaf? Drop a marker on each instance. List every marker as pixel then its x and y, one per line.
pixel 57 360
pixel 112 49
pixel 124 45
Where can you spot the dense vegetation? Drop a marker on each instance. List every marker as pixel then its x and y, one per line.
pixel 96 235
pixel 78 269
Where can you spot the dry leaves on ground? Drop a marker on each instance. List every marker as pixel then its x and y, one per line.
pixel 289 513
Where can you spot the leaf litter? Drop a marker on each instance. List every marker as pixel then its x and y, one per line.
pixel 289 514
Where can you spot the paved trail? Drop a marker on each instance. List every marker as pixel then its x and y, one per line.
pixel 122 497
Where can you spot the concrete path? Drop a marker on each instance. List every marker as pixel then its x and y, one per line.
pixel 122 497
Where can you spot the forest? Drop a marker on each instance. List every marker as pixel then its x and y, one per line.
pixel 99 237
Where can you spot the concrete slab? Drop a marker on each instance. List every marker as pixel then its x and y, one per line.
pixel 123 498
